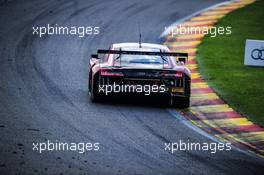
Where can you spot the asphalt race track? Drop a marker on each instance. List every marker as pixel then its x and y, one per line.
pixel 43 95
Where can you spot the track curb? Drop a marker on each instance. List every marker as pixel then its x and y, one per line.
pixel 208 111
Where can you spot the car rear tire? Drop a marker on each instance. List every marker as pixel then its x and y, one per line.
pixel 93 93
pixel 180 102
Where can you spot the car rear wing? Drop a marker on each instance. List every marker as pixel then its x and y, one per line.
pixel 124 52
pixel 180 56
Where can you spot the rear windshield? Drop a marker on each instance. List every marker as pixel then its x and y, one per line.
pixel 141 60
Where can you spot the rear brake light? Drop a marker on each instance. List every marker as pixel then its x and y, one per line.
pixel 111 73
pixel 179 74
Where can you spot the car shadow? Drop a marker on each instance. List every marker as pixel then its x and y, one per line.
pixel 142 101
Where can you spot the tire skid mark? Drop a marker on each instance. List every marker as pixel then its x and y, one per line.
pixel 21 50
pixel 208 111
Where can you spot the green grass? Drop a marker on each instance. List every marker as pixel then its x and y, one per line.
pixel 221 62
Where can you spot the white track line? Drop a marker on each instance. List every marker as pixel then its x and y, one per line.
pixel 188 123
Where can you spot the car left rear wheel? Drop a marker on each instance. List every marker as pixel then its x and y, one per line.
pixel 93 92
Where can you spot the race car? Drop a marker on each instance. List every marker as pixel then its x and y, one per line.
pixel 142 69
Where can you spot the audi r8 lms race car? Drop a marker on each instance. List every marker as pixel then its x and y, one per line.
pixel 140 69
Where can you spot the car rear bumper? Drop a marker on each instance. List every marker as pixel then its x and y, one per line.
pixel 160 87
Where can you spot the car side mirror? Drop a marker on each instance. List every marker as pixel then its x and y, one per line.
pixel 94 58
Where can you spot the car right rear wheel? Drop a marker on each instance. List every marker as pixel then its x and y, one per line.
pixel 180 102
